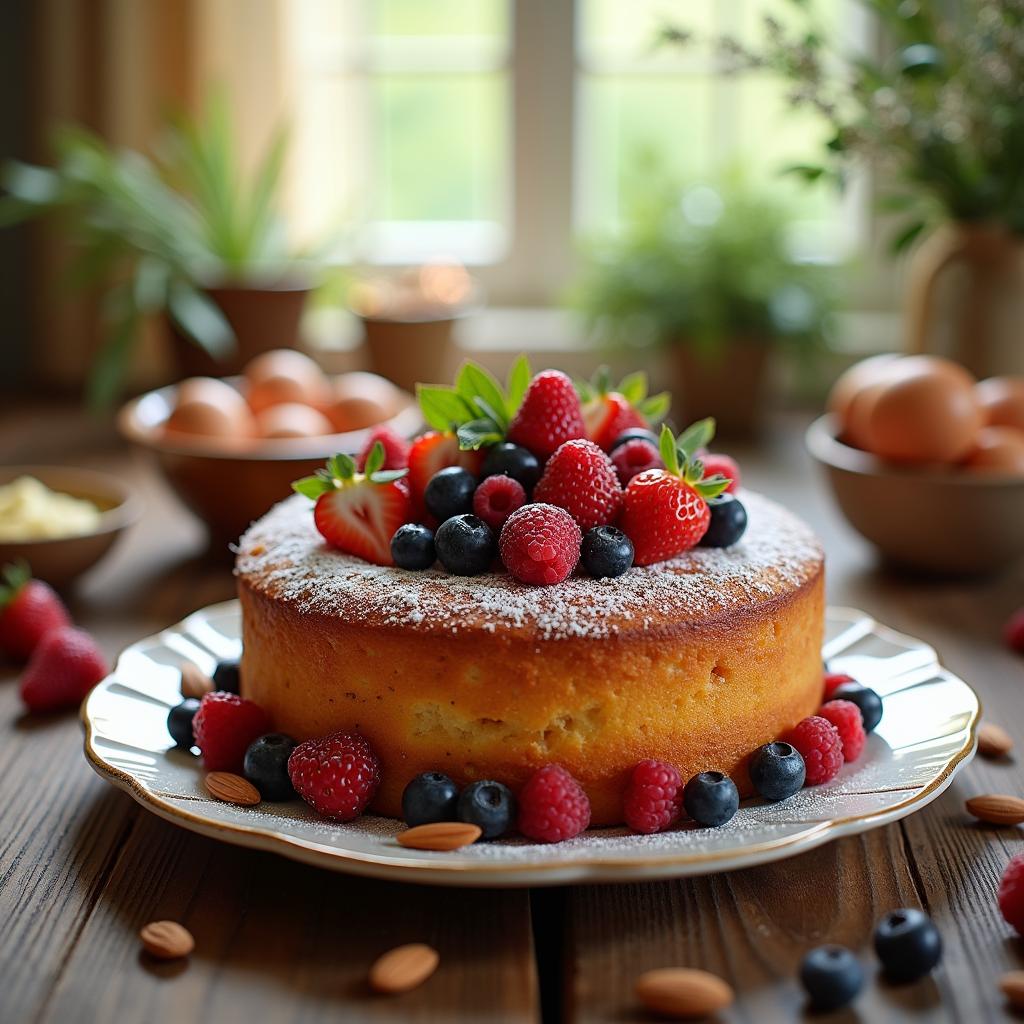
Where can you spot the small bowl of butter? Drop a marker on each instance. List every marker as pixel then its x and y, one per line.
pixel 61 520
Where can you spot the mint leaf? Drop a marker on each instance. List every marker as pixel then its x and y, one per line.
pixel 633 388
pixel 656 407
pixel 713 486
pixel 385 476
pixel 311 487
pixel 480 390
pixel 518 381
pixel 442 407
pixel 375 459
pixel 341 466
pixel 478 433
pixel 697 435
pixel 667 448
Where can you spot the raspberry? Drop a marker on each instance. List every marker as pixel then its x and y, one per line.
pixel 722 464
pixel 580 478
pixel 337 775
pixel 496 499
pixel 396 449
pixel 653 798
pixel 821 747
pixel 553 806
pixel 833 680
pixel 1014 632
pixel 224 726
pixel 634 457
pixel 549 414
pixel 846 717
pixel 540 544
pixel 1011 893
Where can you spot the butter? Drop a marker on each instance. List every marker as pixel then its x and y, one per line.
pixel 29 510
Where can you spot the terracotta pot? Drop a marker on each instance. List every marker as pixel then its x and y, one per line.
pixel 410 351
pixel 727 384
pixel 261 318
pixel 965 298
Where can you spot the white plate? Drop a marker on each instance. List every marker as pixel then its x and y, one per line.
pixel 927 733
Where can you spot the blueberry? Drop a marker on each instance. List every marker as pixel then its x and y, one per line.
pixel 266 765
pixel 777 771
pixel 489 805
pixel 412 547
pixel 865 698
pixel 633 434
pixel 226 676
pixel 465 545
pixel 431 796
pixel 832 976
pixel 511 460
pixel 450 492
pixel 179 722
pixel 606 552
pixel 711 798
pixel 728 522
pixel 908 944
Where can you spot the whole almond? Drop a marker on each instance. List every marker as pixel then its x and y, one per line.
pixel 440 835
pixel 997 809
pixel 1011 985
pixel 167 940
pixel 403 968
pixel 683 992
pixel 232 789
pixel 994 741
pixel 194 681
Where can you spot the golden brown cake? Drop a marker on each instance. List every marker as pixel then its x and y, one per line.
pixel 696 661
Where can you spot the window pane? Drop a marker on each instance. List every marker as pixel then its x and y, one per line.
pixel 482 18
pixel 617 30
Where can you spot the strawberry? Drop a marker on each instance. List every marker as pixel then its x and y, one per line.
pixel 64 667
pixel 580 478
pixel 358 513
pixel 29 609
pixel 607 412
pixel 430 453
pixel 396 449
pixel 549 415
pixel 665 511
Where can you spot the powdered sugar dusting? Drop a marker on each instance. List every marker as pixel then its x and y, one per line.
pixel 285 557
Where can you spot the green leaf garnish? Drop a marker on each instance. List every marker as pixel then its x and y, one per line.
pixel 375 459
pixel 15 575
pixel 632 387
pixel 697 435
pixel 515 387
pixel 481 391
pixel 312 486
pixel 386 476
pixel 668 450
pixel 443 408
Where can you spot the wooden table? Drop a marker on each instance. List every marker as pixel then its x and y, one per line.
pixel 82 867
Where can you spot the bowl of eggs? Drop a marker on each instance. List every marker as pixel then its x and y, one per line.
pixel 231 447
pixel 927 463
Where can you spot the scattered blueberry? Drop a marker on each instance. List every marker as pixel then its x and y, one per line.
pixel 226 676
pixel 450 492
pixel 266 765
pixel 511 460
pixel 633 434
pixel 412 547
pixel 606 552
pixel 179 722
pixel 431 796
pixel 777 771
pixel 832 976
pixel 908 944
pixel 711 798
pixel 865 698
pixel 728 522
pixel 465 545
pixel 490 805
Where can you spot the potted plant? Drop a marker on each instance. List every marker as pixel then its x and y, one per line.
pixel 706 273
pixel 182 233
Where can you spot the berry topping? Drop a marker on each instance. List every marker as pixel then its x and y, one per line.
pixel 496 499
pixel 549 416
pixel 580 478
pixel 833 680
pixel 226 676
pixel 179 722
pixel 831 976
pixel 777 771
pixel 489 805
pixel 430 797
pixel 412 547
pixel 29 609
pixel 908 944
pixel 866 699
pixel 653 798
pixel 396 449
pixel 608 410
pixel 711 798
pixel 465 545
pixel 223 728
pixel 358 512
pixel 65 665
pixel 552 806
pixel 450 493
pixel 337 775
pixel 724 465
pixel 505 459
pixel 819 744
pixel 1013 633
pixel 1011 893
pixel 846 717
pixel 606 552
pixel 540 544
pixel 635 457
pixel 431 453
pixel 265 765
pixel 636 434
pixel 728 522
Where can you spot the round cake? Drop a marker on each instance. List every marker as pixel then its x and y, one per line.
pixel 696 661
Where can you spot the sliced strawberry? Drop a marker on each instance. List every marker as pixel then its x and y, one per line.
pixel 432 452
pixel 608 410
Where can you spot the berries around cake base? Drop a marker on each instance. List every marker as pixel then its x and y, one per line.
pixel 553 806
pixel 223 728
pixel 337 775
pixel 654 798
pixel 846 717
pixel 821 747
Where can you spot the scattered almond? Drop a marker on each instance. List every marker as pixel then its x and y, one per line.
pixel 440 835
pixel 167 940
pixel 994 741
pixel 683 992
pixel 194 681
pixel 232 789
pixel 403 968
pixel 997 809
pixel 1011 985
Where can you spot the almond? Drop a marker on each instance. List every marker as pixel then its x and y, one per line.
pixel 994 741
pixel 997 809
pixel 440 835
pixel 167 940
pixel 194 681
pixel 403 968
pixel 1011 985
pixel 683 992
pixel 232 789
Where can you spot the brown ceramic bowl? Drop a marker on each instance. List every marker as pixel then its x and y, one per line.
pixel 943 521
pixel 228 486
pixel 61 560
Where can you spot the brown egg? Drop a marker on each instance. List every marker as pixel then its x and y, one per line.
pixel 285 375
pixel 362 400
pixel 854 429
pixel 289 419
pixel 210 408
pixel 849 384
pixel 997 450
pixel 1002 401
